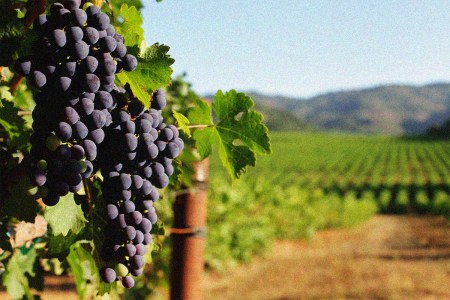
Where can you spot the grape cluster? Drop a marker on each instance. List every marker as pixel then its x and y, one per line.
pixel 135 167
pixel 73 66
pixel 83 122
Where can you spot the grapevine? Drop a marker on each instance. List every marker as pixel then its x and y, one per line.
pixel 99 151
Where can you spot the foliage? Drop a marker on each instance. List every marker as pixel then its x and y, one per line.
pixel 71 235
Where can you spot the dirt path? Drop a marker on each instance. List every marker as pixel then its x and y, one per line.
pixel 389 257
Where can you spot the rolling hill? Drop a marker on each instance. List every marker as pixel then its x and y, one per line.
pixel 388 109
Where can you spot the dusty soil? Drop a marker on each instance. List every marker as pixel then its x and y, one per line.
pixel 388 257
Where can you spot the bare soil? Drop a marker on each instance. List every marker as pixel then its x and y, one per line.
pixel 388 257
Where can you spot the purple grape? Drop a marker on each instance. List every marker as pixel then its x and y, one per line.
pixel 127 282
pixel 81 50
pixel 97 135
pixel 64 131
pixel 90 149
pixel 80 131
pixel 90 64
pixel 108 275
pixel 129 62
pixel 112 212
pixel 91 35
pixel 59 38
pixel 79 17
pixel 85 106
pixel 70 115
pixel 91 83
pixel 158 99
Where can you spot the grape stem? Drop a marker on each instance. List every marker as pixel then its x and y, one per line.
pixel 88 192
pixel 15 81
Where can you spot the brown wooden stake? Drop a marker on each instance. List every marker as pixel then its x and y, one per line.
pixel 188 237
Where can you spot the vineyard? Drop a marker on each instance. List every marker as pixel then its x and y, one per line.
pixel 400 175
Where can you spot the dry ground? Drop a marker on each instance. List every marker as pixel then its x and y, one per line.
pixel 388 257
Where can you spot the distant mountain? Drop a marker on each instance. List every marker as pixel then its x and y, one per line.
pixel 389 109
pixel 280 120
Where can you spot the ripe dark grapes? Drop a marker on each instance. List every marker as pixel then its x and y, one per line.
pixel 83 123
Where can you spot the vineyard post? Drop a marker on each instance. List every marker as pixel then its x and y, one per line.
pixel 188 237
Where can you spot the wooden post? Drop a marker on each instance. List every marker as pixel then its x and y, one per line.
pixel 188 237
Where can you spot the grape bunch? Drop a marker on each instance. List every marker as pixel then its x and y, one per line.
pixel 133 170
pixel 72 65
pixel 83 122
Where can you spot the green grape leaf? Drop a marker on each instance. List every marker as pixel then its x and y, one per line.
pixel 14 278
pixel 131 27
pixel 5 94
pixel 59 245
pixel 15 126
pixel 238 131
pixel 85 271
pixel 183 122
pixel 153 71
pixel 65 216
pixel 18 198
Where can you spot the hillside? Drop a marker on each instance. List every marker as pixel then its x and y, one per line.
pixel 390 109
pixel 280 120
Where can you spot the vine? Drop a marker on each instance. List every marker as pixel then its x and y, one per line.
pixel 38 239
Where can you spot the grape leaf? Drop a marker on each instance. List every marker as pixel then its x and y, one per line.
pixel 153 72
pixel 65 216
pixel 18 198
pixel 85 271
pixel 15 126
pixel 14 278
pixel 238 131
pixel 131 27
pixel 183 122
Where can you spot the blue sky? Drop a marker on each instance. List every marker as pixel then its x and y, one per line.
pixel 302 48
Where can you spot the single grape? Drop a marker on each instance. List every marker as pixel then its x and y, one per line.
pixel 77 152
pixel 90 64
pixel 108 275
pixel 137 261
pixel 158 99
pixel 38 79
pixel 141 249
pixel 22 66
pixel 120 51
pixel 97 135
pixel 64 83
pixel 64 131
pixel 59 38
pixel 130 249
pixel 81 50
pixel 91 83
pixel 122 270
pixel 85 106
pixel 80 131
pixel 91 35
pixel 112 211
pixel 127 282
pixel 79 17
pixel 52 142
pixel 70 115
pixel 90 149
pixel 129 62
pixel 128 207
pixel 145 225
